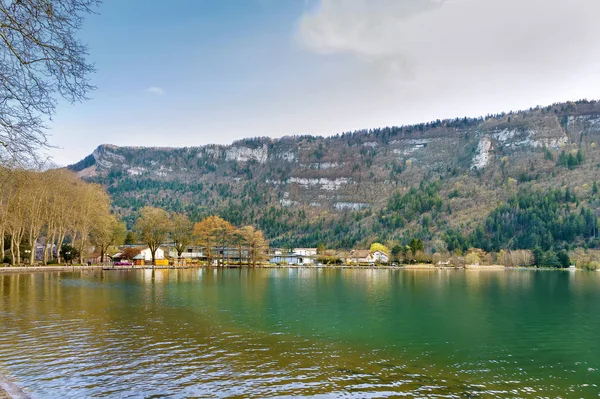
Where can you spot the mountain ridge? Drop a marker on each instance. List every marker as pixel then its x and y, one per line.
pixel 355 174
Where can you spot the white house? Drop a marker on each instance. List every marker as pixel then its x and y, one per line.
pixel 146 254
pixel 292 259
pixel 378 257
pixel 366 256
pixel 305 251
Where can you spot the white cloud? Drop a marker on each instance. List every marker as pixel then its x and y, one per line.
pixel 457 41
pixel 155 90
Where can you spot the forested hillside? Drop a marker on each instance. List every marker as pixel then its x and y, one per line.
pixel 514 180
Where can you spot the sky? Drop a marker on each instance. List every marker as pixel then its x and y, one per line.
pixel 194 72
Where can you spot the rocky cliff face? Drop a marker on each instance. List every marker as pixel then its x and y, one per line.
pixel 475 159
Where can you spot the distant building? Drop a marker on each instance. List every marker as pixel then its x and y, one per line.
pixel 191 252
pixel 305 251
pixel 364 256
pixel 292 259
pixel 359 256
pixel 146 254
pixel 378 257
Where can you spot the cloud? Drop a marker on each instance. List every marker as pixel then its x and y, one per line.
pixel 360 27
pixel 156 90
pixel 456 41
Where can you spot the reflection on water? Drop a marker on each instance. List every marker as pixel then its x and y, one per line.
pixel 303 332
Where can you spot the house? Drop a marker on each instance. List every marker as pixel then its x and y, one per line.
pixel 305 251
pixel 146 254
pixel 295 256
pixel 378 257
pixel 188 253
pixel 95 258
pixel 359 256
pixel 292 259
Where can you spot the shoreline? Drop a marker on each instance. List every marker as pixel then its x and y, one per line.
pixel 54 268
pixel 28 269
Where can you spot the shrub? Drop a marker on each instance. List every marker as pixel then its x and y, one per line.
pixel 472 259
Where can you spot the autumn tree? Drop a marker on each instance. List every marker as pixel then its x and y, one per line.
pixel 36 201
pixel 181 232
pixel 60 213
pixel 129 253
pixel 53 207
pixel 256 245
pixel 16 211
pixel 213 233
pixel 107 231
pixel 90 202
pixel 42 59
pixel 152 228
pixel 237 240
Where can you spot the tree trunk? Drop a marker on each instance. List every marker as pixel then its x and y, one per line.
pixel 48 247
pixel 2 252
pixel 13 257
pixel 179 252
pixel 33 245
pixel 59 243
pixel 81 249
pixel 102 250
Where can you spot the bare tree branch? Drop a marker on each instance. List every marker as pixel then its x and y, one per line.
pixel 41 59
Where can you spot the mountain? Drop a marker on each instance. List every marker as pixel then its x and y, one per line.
pixel 439 180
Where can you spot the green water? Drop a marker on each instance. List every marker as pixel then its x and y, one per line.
pixel 302 332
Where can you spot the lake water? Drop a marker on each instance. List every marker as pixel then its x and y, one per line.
pixel 302 332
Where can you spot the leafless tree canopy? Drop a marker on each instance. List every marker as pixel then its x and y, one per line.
pixel 40 60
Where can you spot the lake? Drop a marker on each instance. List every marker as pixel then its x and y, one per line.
pixel 302 332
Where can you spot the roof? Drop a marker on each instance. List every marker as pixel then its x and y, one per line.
pixel 359 253
pixel 379 250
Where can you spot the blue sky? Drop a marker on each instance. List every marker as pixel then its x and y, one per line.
pixel 193 72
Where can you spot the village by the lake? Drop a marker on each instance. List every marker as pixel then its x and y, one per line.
pixel 355 199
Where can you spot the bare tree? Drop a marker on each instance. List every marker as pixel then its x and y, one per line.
pixel 54 206
pixel 89 201
pixel 41 59
pixel 153 227
pixel 108 230
pixel 181 232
